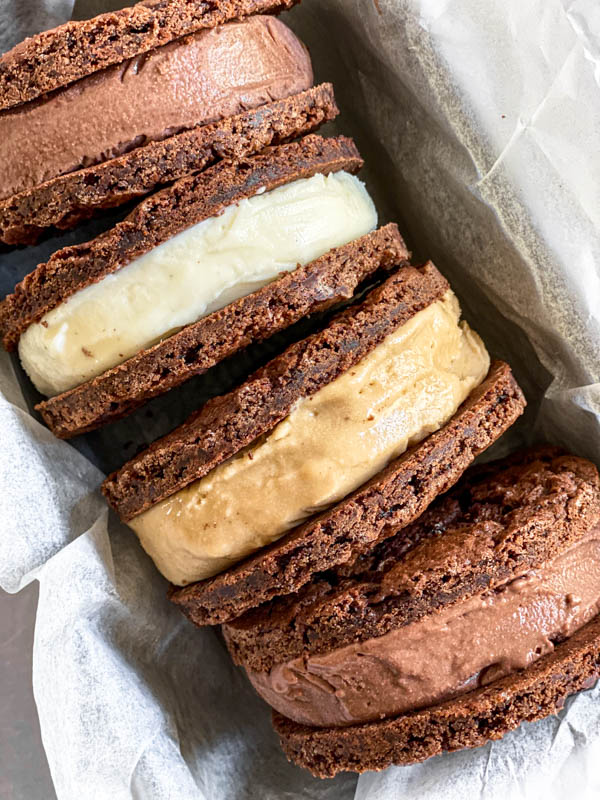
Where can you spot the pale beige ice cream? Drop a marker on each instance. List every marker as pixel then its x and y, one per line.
pixel 193 274
pixel 330 444
pixel 201 78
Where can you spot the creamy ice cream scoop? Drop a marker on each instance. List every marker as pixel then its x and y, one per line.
pixel 330 444
pixel 200 270
pixel 444 654
pixel 201 78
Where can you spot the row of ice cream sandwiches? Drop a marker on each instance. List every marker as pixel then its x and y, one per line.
pixel 310 510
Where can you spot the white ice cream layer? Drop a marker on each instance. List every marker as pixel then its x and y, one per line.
pixel 193 274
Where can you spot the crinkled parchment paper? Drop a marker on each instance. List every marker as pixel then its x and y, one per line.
pixel 480 122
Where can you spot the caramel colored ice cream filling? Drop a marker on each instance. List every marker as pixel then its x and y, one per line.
pixel 329 445
pixel 449 652
pixel 202 78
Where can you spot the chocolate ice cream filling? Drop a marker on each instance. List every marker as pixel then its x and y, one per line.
pixel 459 648
pixel 202 78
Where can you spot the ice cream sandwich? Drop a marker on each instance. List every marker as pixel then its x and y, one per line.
pixel 199 270
pixel 479 615
pixel 97 112
pixel 330 447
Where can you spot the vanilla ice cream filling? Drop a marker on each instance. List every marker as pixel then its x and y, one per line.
pixel 193 274
pixel 330 444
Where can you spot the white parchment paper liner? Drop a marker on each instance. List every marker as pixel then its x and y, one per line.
pixel 480 123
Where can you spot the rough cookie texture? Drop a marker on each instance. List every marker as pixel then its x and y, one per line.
pixel 468 721
pixel 226 424
pixel 329 279
pixel 162 215
pixel 65 54
pixel 499 521
pixel 68 199
pixel 374 512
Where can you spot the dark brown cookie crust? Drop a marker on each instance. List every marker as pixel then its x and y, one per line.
pixel 468 721
pixel 377 510
pixel 65 201
pixel 228 423
pixel 497 522
pixel 314 287
pixel 161 216
pixel 65 54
